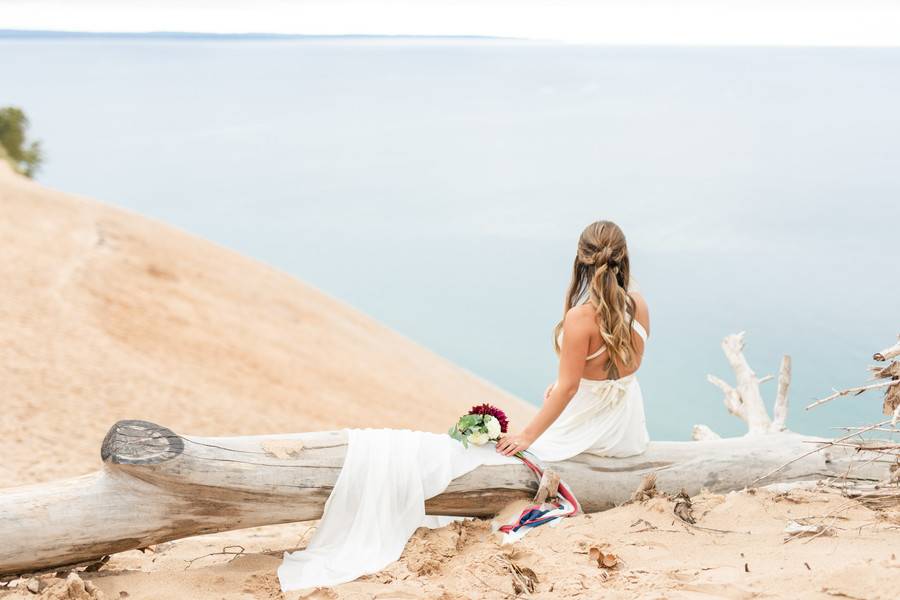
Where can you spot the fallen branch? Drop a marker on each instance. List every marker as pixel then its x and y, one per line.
pixel 825 444
pixel 856 391
pixel 225 552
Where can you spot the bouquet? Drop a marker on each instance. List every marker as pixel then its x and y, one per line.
pixel 482 424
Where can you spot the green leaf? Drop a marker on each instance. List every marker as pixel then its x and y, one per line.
pixel 467 421
pixel 455 433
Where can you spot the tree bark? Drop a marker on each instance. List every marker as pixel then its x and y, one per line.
pixel 156 486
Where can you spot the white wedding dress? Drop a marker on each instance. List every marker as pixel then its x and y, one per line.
pixel 378 500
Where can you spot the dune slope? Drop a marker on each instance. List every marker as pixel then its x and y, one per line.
pixel 106 315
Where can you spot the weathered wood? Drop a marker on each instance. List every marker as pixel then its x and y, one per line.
pixel 779 413
pixel 548 486
pixel 855 391
pixel 888 353
pixel 745 400
pixel 156 486
pixel 747 384
pixel 703 432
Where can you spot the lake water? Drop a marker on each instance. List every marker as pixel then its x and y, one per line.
pixel 441 186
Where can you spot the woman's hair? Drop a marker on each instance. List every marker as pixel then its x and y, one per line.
pixel 602 271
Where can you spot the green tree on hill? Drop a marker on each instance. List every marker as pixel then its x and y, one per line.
pixel 25 157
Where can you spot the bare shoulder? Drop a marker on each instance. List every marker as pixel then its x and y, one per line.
pixel 580 318
pixel 641 310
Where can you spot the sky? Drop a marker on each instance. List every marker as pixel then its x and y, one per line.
pixel 663 22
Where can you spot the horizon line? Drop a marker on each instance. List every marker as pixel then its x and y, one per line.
pixel 275 36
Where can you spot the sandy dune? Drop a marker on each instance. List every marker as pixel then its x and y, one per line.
pixel 106 315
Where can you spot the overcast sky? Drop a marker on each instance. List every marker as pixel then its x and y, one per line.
pixel 743 22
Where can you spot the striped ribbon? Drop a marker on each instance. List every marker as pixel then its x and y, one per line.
pixel 537 514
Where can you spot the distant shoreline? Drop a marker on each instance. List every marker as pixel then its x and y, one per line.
pixel 205 36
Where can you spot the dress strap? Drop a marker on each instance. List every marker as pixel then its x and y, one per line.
pixel 600 351
pixel 640 329
pixel 636 326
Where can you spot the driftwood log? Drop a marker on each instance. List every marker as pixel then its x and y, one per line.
pixel 157 485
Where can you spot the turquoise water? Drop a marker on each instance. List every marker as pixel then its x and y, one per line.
pixel 440 187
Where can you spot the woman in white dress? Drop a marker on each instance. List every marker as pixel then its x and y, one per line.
pixel 595 405
pixel 378 500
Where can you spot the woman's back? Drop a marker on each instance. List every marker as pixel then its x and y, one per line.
pixel 595 404
pixel 597 362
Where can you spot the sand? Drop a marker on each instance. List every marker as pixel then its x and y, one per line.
pixel 106 315
pixel 736 550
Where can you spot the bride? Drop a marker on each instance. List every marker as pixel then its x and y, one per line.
pixel 378 500
pixel 595 405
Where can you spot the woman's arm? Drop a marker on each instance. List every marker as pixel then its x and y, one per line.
pixel 576 338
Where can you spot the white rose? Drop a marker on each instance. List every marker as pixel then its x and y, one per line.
pixel 493 426
pixel 478 438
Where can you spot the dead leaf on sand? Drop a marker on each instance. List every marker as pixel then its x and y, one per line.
pixel 607 560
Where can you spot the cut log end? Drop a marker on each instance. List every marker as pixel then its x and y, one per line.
pixel 134 442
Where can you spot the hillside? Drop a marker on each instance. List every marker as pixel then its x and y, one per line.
pixel 107 315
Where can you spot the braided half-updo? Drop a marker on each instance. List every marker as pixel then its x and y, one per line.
pixel 602 271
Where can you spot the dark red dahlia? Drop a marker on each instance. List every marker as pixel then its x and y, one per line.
pixel 487 409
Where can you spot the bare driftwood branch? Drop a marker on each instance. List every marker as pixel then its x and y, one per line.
pixel 823 444
pixel 732 399
pixel 888 353
pixel 781 400
pixel 702 432
pixel 744 399
pixel 856 391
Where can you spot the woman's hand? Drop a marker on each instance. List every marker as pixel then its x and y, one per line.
pixel 509 444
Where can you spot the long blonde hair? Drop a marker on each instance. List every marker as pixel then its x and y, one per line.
pixel 602 271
